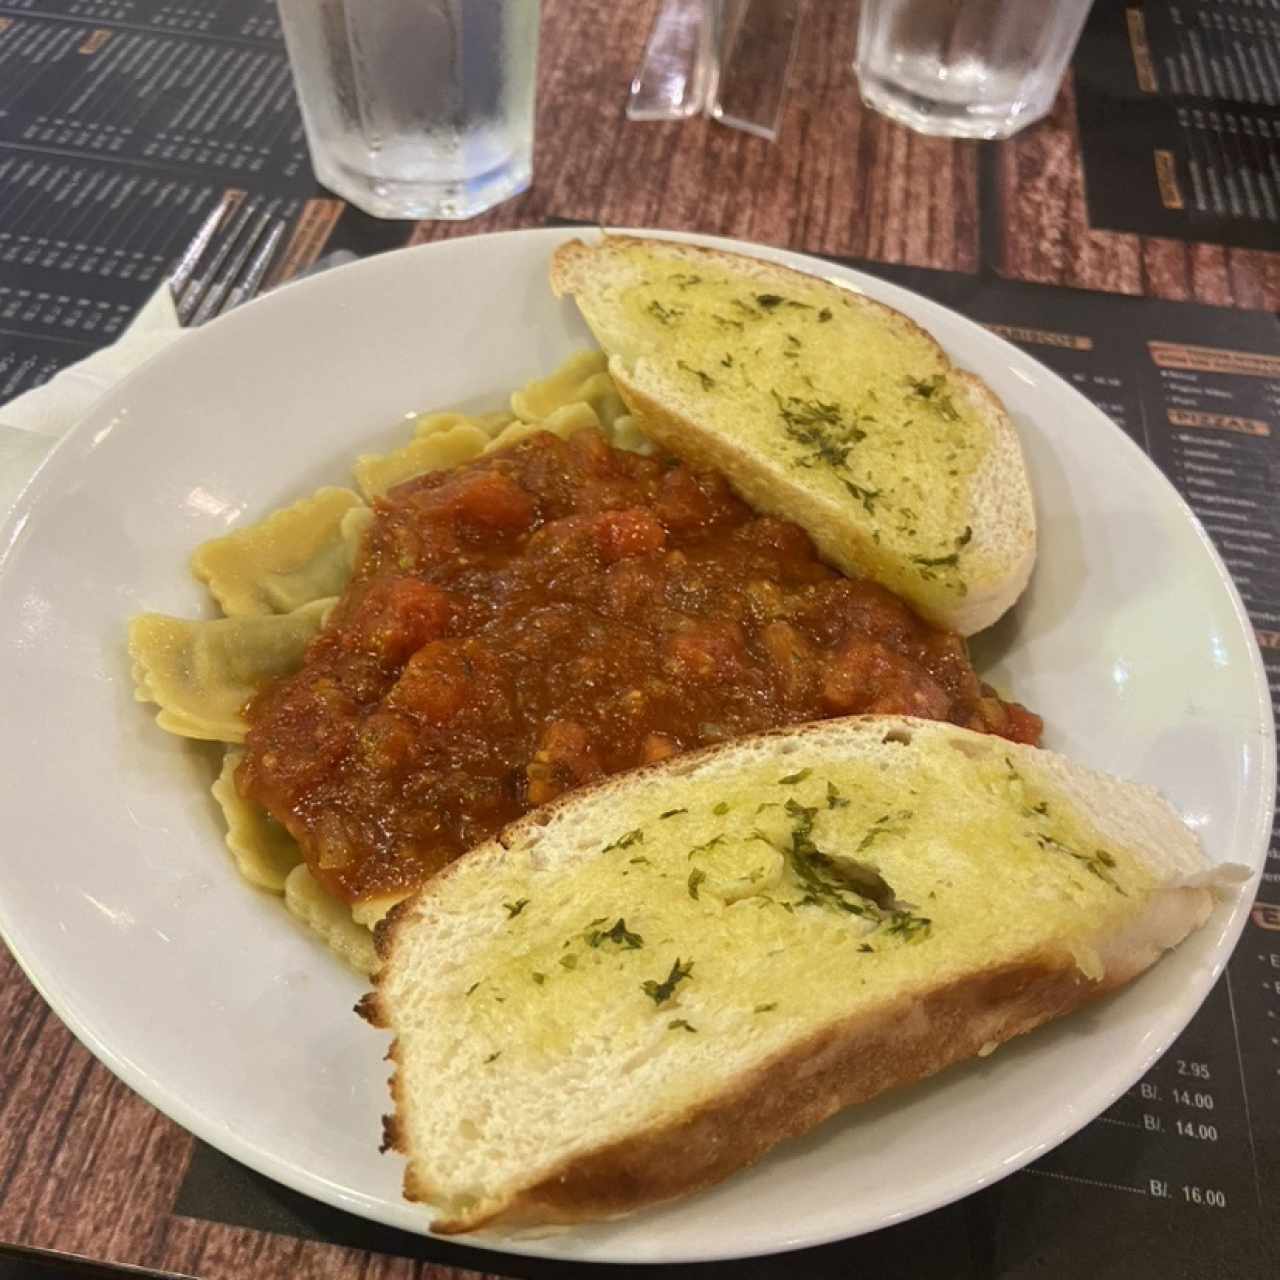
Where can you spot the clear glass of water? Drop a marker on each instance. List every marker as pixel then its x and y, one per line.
pixel 416 108
pixel 965 68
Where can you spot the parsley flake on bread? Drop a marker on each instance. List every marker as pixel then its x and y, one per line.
pixel 821 406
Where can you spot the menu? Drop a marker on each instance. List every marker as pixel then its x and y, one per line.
pixel 122 122
pixel 1179 107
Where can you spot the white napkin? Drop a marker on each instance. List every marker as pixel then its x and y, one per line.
pixel 31 424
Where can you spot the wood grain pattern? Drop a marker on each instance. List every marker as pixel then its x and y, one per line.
pixel 841 181
pixel 86 1166
pixel 84 1163
pixel 222 1253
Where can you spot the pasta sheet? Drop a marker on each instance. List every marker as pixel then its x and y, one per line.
pixel 303 553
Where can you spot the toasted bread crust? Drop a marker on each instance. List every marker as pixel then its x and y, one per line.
pixel 1001 486
pixel 841 1065
pixel 792 1094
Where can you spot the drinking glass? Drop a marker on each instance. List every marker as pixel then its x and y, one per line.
pixel 416 108
pixel 965 68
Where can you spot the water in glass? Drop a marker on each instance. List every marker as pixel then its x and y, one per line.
pixel 965 68
pixel 416 108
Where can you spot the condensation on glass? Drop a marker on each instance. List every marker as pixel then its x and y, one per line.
pixel 965 68
pixel 417 108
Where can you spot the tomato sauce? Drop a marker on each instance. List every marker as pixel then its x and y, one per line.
pixel 555 613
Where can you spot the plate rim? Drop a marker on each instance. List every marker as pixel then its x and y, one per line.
pixel 412 1218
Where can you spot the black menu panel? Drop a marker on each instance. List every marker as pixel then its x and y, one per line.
pixel 1179 107
pixel 122 122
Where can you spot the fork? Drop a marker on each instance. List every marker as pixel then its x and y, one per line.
pixel 227 261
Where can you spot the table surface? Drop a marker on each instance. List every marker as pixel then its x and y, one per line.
pixel 88 1167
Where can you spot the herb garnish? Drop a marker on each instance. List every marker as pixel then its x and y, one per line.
pixel 680 1022
pixel 493 1057
pixel 966 537
pixel 515 908
pixel 1099 863
pixel 910 928
pixel 792 778
pixel 937 562
pixel 696 877
pixel 830 880
pixel 619 933
pixel 625 841
pixel 765 1008
pixel 721 809
pixel 882 826
pixel 834 799
pixel 671 813
pixel 706 844
pixel 866 496
pixel 472 987
pixel 725 322
pixel 768 301
pixel 705 379
pixel 684 281
pixel 664 315
pixel 824 315
pixel 539 978
pixel 569 962
pixel 661 992
pixel 820 425
pixel 930 390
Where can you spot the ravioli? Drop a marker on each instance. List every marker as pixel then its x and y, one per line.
pixel 491 424
pixel 264 851
pixel 625 433
pixel 562 422
pixel 435 450
pixel 201 673
pixel 582 377
pixel 303 553
pixel 331 919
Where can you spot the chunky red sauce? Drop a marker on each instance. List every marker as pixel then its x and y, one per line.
pixel 558 612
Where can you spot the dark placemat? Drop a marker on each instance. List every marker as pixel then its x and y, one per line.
pixel 1179 1176
pixel 122 122
pixel 1179 109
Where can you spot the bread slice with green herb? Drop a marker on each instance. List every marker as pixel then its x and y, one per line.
pixel 822 406
pixel 632 993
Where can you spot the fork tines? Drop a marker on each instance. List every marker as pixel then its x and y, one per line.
pixel 227 261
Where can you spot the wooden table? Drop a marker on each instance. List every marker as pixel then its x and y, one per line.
pixel 88 1167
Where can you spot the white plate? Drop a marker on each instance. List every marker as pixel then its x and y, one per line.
pixel 203 995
